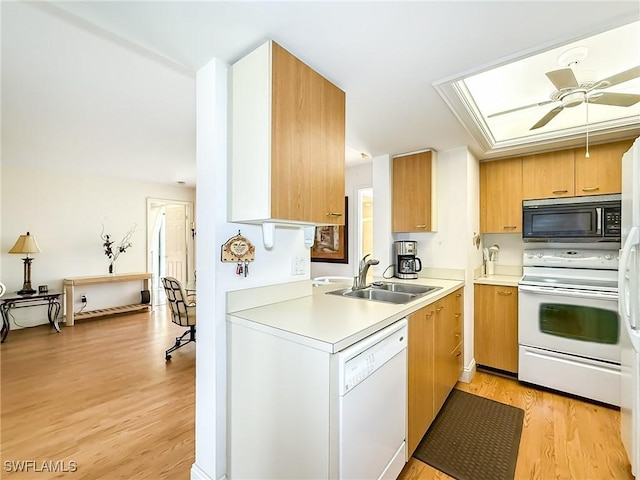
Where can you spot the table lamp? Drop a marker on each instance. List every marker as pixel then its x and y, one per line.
pixel 26 244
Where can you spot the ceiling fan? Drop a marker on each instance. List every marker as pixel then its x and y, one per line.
pixel 570 93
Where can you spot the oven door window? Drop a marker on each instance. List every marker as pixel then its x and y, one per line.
pixel 576 322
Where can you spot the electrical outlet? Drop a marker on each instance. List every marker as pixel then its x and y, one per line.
pixel 83 299
pixel 297 266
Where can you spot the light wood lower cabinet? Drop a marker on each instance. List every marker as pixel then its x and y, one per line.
pixel 496 327
pixel 434 361
pixel 420 351
pixel 448 350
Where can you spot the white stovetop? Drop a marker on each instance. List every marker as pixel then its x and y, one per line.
pixel 330 322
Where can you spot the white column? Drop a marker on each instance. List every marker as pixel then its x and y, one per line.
pixel 211 153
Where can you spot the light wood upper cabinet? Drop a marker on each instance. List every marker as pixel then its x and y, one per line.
pixel 548 175
pixel 501 196
pixel 411 196
pixel 496 327
pixel 288 141
pixel 602 172
pixel 420 371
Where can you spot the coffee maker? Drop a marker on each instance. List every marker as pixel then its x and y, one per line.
pixel 407 264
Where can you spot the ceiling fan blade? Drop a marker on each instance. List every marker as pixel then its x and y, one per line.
pixel 540 104
pixel 548 117
pixel 618 78
pixel 615 99
pixel 563 78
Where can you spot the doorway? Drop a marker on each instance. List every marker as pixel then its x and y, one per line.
pixel 170 243
pixel 365 222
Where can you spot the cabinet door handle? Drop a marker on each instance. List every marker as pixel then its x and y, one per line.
pixel 422 225
pixel 439 309
pixel 458 353
pixel 430 313
pixel 590 189
pixel 502 292
pixel 458 295
pixel 334 214
pixel 509 227
pixel 560 191
pixel 457 315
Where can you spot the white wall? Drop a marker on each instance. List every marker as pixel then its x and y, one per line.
pixel 511 247
pixel 382 237
pixel 65 213
pixel 445 248
pixel 474 259
pixel 355 178
pixel 450 247
pixel 215 278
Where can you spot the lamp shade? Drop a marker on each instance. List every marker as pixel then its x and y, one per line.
pixel 25 244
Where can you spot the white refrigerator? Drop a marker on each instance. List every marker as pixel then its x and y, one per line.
pixel 629 307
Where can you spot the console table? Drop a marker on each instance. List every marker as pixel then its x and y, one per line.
pixel 71 283
pixel 52 300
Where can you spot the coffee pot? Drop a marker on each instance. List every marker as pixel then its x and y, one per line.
pixel 407 263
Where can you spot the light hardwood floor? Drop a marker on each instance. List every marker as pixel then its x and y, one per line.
pixel 562 438
pixel 101 395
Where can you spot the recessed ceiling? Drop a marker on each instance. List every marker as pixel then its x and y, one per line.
pixel 558 95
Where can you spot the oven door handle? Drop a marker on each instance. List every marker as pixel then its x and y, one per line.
pixel 567 292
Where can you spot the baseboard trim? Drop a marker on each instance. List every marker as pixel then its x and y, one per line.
pixel 198 473
pixel 469 372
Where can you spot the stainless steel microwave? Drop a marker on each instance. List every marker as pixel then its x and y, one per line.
pixel 575 219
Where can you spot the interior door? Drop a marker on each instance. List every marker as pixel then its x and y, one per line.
pixel 175 252
pixel 170 247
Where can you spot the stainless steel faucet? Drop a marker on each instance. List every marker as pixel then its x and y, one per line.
pixel 360 280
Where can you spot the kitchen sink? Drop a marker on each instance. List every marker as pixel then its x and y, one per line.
pixel 389 292
pixel 404 287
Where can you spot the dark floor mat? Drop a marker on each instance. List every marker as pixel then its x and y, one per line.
pixel 473 438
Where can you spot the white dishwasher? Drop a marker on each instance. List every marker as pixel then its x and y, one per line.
pixel 372 405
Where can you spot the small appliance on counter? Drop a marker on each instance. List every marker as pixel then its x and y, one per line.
pixel 407 264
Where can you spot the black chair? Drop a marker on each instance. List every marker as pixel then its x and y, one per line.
pixel 183 313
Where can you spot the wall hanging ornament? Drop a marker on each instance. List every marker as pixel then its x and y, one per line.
pixel 112 252
pixel 239 250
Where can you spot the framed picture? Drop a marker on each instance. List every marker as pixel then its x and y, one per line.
pixel 331 242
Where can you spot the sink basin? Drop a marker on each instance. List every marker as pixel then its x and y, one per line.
pixel 397 293
pixel 376 295
pixel 404 288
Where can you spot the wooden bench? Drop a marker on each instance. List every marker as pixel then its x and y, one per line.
pixel 71 283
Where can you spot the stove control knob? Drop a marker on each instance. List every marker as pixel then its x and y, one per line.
pixel 608 256
pixel 539 254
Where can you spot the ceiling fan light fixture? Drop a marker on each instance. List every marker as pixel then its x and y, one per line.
pixel 573 99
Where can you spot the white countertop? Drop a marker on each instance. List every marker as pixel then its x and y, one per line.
pixel 502 280
pixel 330 322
